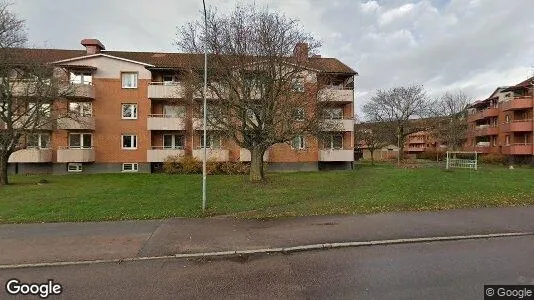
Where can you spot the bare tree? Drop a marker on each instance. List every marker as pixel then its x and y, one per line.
pixel 374 136
pixel 397 108
pixel 266 93
pixel 450 122
pixel 30 93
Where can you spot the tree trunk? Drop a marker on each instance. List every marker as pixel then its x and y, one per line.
pixel 399 152
pixel 372 158
pixel 3 169
pixel 256 165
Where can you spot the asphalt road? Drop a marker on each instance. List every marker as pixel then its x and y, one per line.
pixel 439 270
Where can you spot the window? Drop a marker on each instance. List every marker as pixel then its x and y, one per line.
pixel 333 113
pixel 298 143
pixel 494 140
pixel 297 84
pixel 213 141
pixel 129 111
pixel 298 114
pixel 168 80
pixel 507 119
pixel 129 80
pixel 130 167
pixel 38 140
pixel 42 108
pixel 507 140
pixel 173 111
pixel 80 140
pixel 334 141
pixel 81 78
pixel 81 109
pixel 129 141
pixel 74 167
pixel 173 141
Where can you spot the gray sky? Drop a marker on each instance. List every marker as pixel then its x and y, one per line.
pixel 473 45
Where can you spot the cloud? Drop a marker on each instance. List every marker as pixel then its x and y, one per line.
pixel 443 44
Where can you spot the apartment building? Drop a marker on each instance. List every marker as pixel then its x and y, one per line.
pixel 503 123
pixel 133 114
pixel 422 141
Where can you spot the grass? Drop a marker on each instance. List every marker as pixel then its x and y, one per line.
pixel 364 190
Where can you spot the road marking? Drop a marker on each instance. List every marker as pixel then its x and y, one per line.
pixel 272 250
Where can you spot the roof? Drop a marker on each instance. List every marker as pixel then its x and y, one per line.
pixel 526 83
pixel 162 60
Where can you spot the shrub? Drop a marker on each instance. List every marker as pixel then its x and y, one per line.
pixel 187 164
pixel 492 159
pixel 432 155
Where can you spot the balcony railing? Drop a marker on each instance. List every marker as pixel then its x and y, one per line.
pixel 79 90
pixel 336 94
pixel 31 155
pixel 336 155
pixel 338 125
pixel 484 130
pixel 165 122
pixel 166 90
pixel 245 155
pixel 75 154
pixel 160 153
pixel 518 149
pixel 22 122
pixel 489 112
pixel 517 103
pixel 213 154
pixel 518 126
pixel 76 123
pixel 415 149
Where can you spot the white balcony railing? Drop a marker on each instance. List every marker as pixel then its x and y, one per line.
pixel 76 123
pixel 165 122
pixel 336 155
pixel 213 154
pixel 31 155
pixel 166 90
pixel 336 95
pixel 75 154
pixel 160 153
pixel 338 125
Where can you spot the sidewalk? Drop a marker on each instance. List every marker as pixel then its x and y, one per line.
pixel 54 242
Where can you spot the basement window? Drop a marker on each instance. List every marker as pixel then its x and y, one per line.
pixel 74 167
pixel 130 167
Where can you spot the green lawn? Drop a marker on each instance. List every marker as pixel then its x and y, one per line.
pixel 364 190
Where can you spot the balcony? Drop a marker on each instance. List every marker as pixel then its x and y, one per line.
pixel 244 155
pixel 415 149
pixel 482 149
pixel 483 114
pixel 23 123
pixel 160 90
pixel 517 126
pixel 517 103
pixel 335 94
pixel 159 154
pixel 336 155
pixel 198 125
pixel 338 125
pixel 518 149
pixel 213 154
pixel 484 130
pixel 67 154
pixel 416 140
pixel 78 90
pixel 31 155
pixel 165 122
pixel 76 123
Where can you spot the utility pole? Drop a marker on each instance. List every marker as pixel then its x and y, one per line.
pixel 204 158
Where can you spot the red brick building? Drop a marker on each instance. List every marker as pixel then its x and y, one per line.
pixel 135 115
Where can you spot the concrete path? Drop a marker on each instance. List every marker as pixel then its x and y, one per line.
pixel 55 242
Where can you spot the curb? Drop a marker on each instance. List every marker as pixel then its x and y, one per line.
pixel 283 250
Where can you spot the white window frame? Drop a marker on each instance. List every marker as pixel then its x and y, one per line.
pixel 301 142
pixel 507 140
pixel 174 111
pixel 83 109
pixel 210 138
pixel 81 77
pixel 173 141
pixel 507 118
pixel 82 146
pixel 45 108
pixel 135 111
pixel 297 85
pixel 133 167
pixel 78 167
pixel 330 113
pixel 133 141
pixel 136 74
pixel 168 82
pixel 330 142
pixel 299 114
pixel 40 139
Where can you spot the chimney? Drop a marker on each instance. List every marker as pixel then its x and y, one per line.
pixel 92 46
pixel 301 52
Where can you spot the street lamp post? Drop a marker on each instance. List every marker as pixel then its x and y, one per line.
pixel 204 157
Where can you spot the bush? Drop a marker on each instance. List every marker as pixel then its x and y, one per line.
pixel 492 159
pixel 432 155
pixel 187 164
